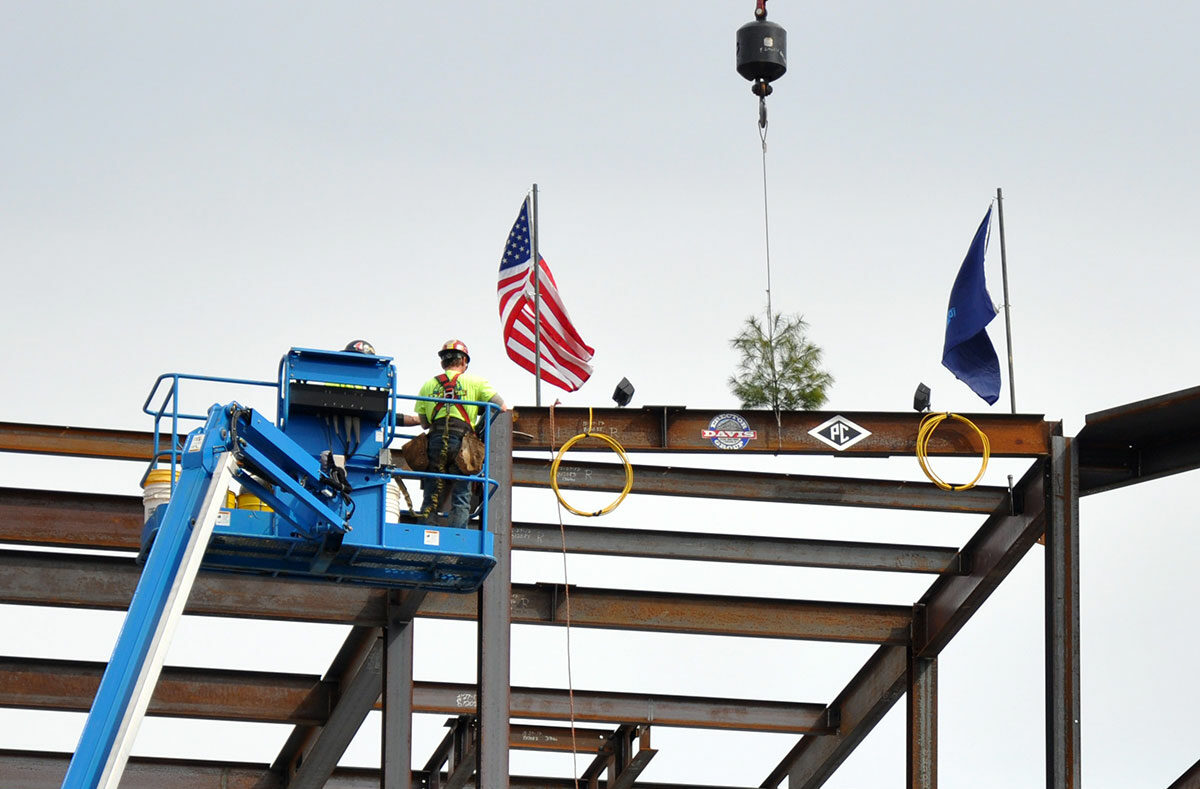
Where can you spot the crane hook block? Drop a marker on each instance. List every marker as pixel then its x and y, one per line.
pixel 761 54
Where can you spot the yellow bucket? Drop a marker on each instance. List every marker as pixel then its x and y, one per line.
pixel 248 501
pixel 159 476
pixel 156 490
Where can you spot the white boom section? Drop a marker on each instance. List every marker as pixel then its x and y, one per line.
pixel 164 631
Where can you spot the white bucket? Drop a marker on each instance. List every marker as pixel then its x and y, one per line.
pixel 156 490
pixel 392 502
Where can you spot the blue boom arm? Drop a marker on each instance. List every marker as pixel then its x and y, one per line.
pixel 233 443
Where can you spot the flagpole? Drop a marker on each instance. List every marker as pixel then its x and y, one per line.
pixel 537 301
pixel 1012 390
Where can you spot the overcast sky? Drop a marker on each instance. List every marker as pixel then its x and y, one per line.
pixel 197 187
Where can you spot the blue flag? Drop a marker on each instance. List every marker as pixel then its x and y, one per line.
pixel 968 352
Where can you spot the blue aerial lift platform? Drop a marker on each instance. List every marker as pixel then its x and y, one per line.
pixel 322 470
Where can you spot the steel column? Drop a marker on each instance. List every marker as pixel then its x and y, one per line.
pixel 495 618
pixel 1062 617
pixel 922 722
pixel 396 748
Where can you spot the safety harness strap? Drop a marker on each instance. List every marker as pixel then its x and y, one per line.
pixel 449 392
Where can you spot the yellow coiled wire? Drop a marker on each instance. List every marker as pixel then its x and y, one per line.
pixel 616 447
pixel 925 431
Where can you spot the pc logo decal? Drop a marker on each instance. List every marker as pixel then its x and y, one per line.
pixel 729 431
pixel 839 433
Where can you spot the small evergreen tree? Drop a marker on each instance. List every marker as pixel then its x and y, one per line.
pixel 779 369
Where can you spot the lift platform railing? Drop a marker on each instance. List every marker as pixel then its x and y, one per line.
pixel 173 421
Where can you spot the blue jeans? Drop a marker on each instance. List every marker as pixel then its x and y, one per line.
pixel 457 492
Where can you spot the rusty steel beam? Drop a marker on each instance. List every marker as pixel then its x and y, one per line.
pixel 651 429
pixel 89 442
pixel 1189 780
pixel 760 486
pixel 218 694
pixel 651 480
pixel 309 700
pixel 678 429
pixel 950 602
pixel 1005 537
pixel 107 582
pixel 45 770
pixel 1139 441
pixel 70 520
pixel 351 657
pixel 856 710
pixel 694 712
pixel 88 520
pixel 704 546
pixel 527 737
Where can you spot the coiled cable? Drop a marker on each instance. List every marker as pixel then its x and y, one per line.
pixel 925 431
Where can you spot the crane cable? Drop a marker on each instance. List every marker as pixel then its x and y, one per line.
pixel 616 447
pixel 925 431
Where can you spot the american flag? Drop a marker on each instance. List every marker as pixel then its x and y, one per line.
pixel 565 355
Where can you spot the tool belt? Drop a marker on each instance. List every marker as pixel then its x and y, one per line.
pixel 468 459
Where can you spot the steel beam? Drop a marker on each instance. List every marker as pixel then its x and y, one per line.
pixel 1189 780
pixel 357 693
pixel 86 520
pixel 526 737
pixel 457 752
pixel 1139 441
pixel 495 616
pixel 678 429
pixel 651 429
pixel 600 707
pixel 306 700
pixel 90 442
pixel 106 582
pixel 44 770
pixel 220 694
pixel 620 759
pixel 856 710
pixel 950 602
pixel 759 486
pixel 922 723
pixel 702 546
pixel 357 644
pixel 990 555
pixel 652 480
pixel 70 520
pixel 1062 618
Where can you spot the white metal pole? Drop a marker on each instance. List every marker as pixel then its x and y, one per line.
pixel 1012 388
pixel 537 301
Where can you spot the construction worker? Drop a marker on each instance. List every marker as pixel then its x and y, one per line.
pixel 362 346
pixel 447 423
